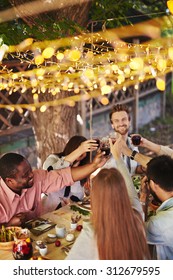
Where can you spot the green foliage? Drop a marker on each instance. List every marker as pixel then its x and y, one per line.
pixel 109 14
pixel 14 32
pixel 118 13
pixel 163 130
pixel 137 182
pixel 78 209
pixel 4 4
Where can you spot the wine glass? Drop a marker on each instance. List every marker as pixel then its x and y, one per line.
pixel 136 139
pixel 112 136
pixel 97 141
pixel 104 145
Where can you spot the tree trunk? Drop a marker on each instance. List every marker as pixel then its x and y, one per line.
pixel 56 125
pixel 53 128
pixel 77 13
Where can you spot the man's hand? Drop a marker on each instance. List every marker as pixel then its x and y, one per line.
pixel 81 172
pixel 117 147
pixel 144 195
pixel 145 190
pixel 17 220
pixel 100 159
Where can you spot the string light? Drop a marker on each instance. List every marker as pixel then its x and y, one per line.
pixel 39 59
pixel 101 71
pixel 170 6
pixel 160 83
pixel 48 52
pixel 43 108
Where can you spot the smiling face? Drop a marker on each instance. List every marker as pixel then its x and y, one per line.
pixel 23 178
pixel 120 122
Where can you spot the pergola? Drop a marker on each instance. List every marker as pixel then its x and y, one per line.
pixel 93 68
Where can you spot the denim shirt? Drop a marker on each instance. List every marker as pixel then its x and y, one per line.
pixel 159 230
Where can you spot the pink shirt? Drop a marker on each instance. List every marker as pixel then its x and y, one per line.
pixel 30 199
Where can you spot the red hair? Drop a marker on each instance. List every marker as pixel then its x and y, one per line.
pixel 118 227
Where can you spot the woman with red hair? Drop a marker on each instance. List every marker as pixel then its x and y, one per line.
pixel 116 229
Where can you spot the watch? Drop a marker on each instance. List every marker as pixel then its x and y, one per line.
pixel 133 155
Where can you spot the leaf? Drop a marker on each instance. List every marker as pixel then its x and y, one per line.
pixel 81 211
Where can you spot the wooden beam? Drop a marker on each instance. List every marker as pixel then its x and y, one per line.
pixel 14 129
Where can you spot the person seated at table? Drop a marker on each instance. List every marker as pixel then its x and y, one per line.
pixel 158 183
pixel 116 230
pixel 21 187
pixel 76 153
pixel 159 227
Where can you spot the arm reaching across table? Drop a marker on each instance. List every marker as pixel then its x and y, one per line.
pixel 84 171
pixel 116 152
pixel 140 158
pixel 156 148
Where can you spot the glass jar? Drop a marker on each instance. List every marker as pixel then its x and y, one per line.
pixel 22 249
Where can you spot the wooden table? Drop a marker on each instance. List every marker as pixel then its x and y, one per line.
pixel 63 216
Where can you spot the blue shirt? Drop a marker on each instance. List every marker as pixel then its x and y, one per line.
pixel 159 230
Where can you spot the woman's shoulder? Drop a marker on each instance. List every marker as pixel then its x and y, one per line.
pixel 56 161
pixel 85 246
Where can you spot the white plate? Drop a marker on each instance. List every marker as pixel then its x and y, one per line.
pixel 84 207
pixel 51 235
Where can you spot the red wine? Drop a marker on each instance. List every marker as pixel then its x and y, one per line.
pixel 136 140
pixel 106 150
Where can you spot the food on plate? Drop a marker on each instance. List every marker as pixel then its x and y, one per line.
pixel 7 233
pixel 38 243
pixel 80 210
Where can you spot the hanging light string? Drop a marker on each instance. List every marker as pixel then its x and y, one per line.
pixel 127 17
pixel 98 63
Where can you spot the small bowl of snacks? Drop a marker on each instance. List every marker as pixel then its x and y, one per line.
pixel 51 238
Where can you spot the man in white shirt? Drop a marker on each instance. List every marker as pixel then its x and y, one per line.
pixel 120 121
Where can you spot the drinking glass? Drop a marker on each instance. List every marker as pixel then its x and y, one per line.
pixel 22 249
pixel 60 230
pixel 112 136
pixel 97 141
pixel 104 145
pixel 136 139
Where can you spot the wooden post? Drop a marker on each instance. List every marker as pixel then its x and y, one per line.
pixel 136 92
pixel 82 113
pixel 136 108
pixel 163 102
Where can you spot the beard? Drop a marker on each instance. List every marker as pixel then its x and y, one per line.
pixel 27 187
pixel 123 130
pixel 156 200
pixel 29 184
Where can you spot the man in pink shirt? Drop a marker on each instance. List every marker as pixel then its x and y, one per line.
pixel 21 187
